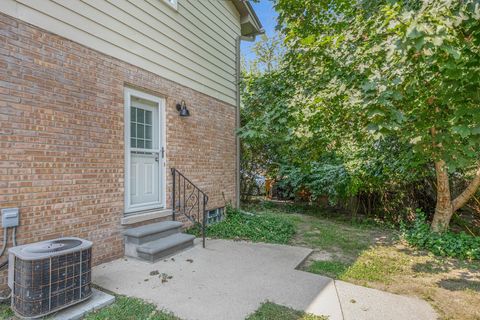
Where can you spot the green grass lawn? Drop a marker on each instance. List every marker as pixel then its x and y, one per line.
pixel 272 311
pixel 323 230
pixel 5 311
pixel 125 308
pixel 333 269
pixel 271 228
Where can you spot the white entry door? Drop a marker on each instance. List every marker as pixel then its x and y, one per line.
pixel 144 152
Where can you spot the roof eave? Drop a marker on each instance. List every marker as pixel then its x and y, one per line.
pixel 249 21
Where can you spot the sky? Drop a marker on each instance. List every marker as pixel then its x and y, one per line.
pixel 268 17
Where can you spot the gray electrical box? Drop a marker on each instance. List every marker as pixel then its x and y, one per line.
pixel 9 217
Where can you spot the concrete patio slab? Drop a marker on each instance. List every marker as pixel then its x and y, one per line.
pixel 229 280
pixel 360 303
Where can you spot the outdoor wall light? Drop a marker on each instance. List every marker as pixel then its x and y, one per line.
pixel 182 109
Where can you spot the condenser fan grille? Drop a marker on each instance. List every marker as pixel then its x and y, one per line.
pixel 53 246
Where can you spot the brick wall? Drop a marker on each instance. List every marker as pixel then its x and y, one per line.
pixel 62 138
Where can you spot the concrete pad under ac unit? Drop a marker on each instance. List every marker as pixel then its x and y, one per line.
pixel 98 301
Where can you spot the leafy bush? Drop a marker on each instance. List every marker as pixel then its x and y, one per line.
pixel 448 244
pixel 324 178
pixel 243 226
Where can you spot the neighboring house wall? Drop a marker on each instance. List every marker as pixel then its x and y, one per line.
pixel 62 137
pixel 194 45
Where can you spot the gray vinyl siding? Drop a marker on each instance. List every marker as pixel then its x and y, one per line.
pixel 193 45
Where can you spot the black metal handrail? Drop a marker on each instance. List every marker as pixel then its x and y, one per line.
pixel 189 200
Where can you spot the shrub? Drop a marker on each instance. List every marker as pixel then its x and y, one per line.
pixel 448 244
pixel 243 226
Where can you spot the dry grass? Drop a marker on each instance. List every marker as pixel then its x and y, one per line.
pixel 272 311
pixel 450 286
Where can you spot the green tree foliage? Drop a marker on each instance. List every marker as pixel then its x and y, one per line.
pixel 269 54
pixel 261 85
pixel 374 94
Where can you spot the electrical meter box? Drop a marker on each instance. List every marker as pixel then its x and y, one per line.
pixel 9 217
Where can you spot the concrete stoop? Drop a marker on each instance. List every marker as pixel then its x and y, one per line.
pixel 155 241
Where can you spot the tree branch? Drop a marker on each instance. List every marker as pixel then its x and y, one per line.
pixel 468 193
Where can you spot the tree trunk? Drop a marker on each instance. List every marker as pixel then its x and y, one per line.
pixel 444 209
pixel 445 206
pixel 468 193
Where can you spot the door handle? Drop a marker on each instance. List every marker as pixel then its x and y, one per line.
pixel 156 156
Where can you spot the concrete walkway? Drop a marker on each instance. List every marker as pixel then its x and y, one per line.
pixel 229 280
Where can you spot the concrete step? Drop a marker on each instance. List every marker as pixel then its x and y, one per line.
pixel 151 232
pixel 155 250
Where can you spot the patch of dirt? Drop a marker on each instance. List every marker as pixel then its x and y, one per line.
pixel 321 255
pixel 459 284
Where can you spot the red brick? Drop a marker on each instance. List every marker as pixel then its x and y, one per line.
pixel 62 138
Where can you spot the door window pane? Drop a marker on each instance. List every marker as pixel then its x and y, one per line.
pixel 141 128
pixel 133 130
pixel 133 114
pixel 148 117
pixel 148 133
pixel 140 115
pixel 140 131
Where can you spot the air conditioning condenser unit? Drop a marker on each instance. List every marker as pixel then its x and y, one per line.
pixel 48 276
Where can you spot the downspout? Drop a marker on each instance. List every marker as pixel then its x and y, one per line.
pixel 237 123
pixel 237 116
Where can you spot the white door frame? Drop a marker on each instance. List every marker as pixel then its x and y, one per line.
pixel 162 150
